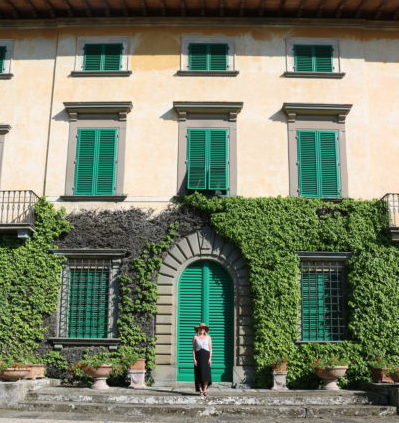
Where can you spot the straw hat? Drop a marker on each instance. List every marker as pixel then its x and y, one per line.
pixel 201 326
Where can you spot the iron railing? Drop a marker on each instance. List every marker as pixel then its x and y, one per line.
pixel 392 202
pixel 16 207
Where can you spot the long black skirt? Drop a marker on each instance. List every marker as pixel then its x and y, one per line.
pixel 202 371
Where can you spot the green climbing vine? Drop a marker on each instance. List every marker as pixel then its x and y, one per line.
pixel 270 232
pixel 29 283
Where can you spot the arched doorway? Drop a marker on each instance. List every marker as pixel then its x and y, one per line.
pixel 206 294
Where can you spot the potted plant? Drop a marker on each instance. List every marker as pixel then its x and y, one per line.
pixel 380 370
pixel 329 370
pixel 98 366
pixel 13 371
pixel 279 368
pixel 135 365
pixel 393 373
pixel 36 366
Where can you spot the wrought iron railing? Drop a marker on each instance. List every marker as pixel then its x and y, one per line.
pixel 16 207
pixel 392 201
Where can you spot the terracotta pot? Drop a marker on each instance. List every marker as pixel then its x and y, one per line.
pixel 380 375
pixel 330 376
pixel 138 365
pixel 100 375
pixel 36 371
pixel 394 377
pixel 14 373
pixel 280 368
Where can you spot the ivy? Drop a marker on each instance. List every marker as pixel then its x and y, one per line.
pixel 29 283
pixel 269 232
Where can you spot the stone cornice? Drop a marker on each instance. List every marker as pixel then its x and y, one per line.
pixel 4 129
pixel 121 108
pixel 79 252
pixel 324 255
pixel 292 110
pixel 231 109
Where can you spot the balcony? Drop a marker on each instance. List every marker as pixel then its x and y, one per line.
pixel 17 212
pixel 392 202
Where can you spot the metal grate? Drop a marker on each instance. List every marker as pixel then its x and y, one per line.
pixel 85 299
pixel 323 301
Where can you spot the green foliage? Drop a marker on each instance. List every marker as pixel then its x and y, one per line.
pixel 29 283
pixel 138 297
pixel 269 232
pixel 56 360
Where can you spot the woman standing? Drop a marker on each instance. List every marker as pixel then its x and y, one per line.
pixel 202 355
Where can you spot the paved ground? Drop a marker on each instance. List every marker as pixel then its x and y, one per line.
pixel 12 416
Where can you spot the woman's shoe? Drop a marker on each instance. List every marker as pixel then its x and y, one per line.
pixel 205 393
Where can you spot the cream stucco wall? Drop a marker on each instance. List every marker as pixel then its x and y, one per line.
pixel 369 58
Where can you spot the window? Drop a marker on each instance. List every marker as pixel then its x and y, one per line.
pixel 101 56
pixel 207 159
pixel 318 164
pixel 6 50
pixel 207 56
pixel 95 165
pixel 323 303
pixel 3 51
pixel 313 58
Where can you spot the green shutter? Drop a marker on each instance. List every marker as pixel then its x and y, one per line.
pixel 95 167
pixel 313 58
pixel 3 51
pixel 102 57
pixel 88 303
pixel 218 175
pixel 217 57
pixel 205 294
pixel 196 159
pixel 198 57
pixel 318 164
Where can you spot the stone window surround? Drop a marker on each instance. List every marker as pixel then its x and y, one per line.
pixel 290 66
pixel 80 43
pixel 4 129
pixel 9 45
pixel 115 256
pixel 309 116
pixel 322 256
pixel 221 115
pixel 96 115
pixel 186 40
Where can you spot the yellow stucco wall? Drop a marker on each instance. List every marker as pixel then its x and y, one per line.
pixel 370 60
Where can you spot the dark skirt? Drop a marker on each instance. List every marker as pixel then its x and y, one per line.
pixel 202 370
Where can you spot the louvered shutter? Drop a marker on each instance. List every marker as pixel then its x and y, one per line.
pixel 329 166
pixel 3 51
pixel 196 159
pixel 218 175
pixel 189 315
pixel 323 59
pixel 303 58
pixel 218 57
pixel 92 57
pixel 307 163
pixel 85 162
pixel 112 57
pixel 313 307
pixel 198 56
pixel 106 164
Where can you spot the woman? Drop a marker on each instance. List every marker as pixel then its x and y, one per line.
pixel 202 355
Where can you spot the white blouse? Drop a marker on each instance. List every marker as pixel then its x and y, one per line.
pixel 201 343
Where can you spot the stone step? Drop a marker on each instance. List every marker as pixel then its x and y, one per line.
pixel 207 410
pixel 228 397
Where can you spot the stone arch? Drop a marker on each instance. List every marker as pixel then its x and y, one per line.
pixel 204 244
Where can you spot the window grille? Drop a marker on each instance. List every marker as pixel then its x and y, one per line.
pixel 323 300
pixel 85 307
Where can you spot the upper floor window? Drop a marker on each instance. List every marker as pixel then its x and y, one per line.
pixel 316 58
pixel 102 57
pixel 3 51
pixel 6 49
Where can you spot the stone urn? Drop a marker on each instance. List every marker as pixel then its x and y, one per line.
pixel 13 374
pixel 100 375
pixel 381 375
pixel 136 374
pixel 37 371
pixel 280 376
pixel 330 376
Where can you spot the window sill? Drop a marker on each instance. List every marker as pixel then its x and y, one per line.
pixel 319 75
pixel 59 343
pixel 321 342
pixel 206 73
pixel 114 198
pixel 6 75
pixel 100 73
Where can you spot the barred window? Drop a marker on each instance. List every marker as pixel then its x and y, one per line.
pixel 323 304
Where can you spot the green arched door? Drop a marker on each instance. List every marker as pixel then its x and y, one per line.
pixel 205 294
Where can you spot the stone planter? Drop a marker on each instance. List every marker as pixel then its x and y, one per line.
pixel 14 373
pixel 100 375
pixel 381 375
pixel 279 381
pixel 136 374
pixel 36 371
pixel 330 376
